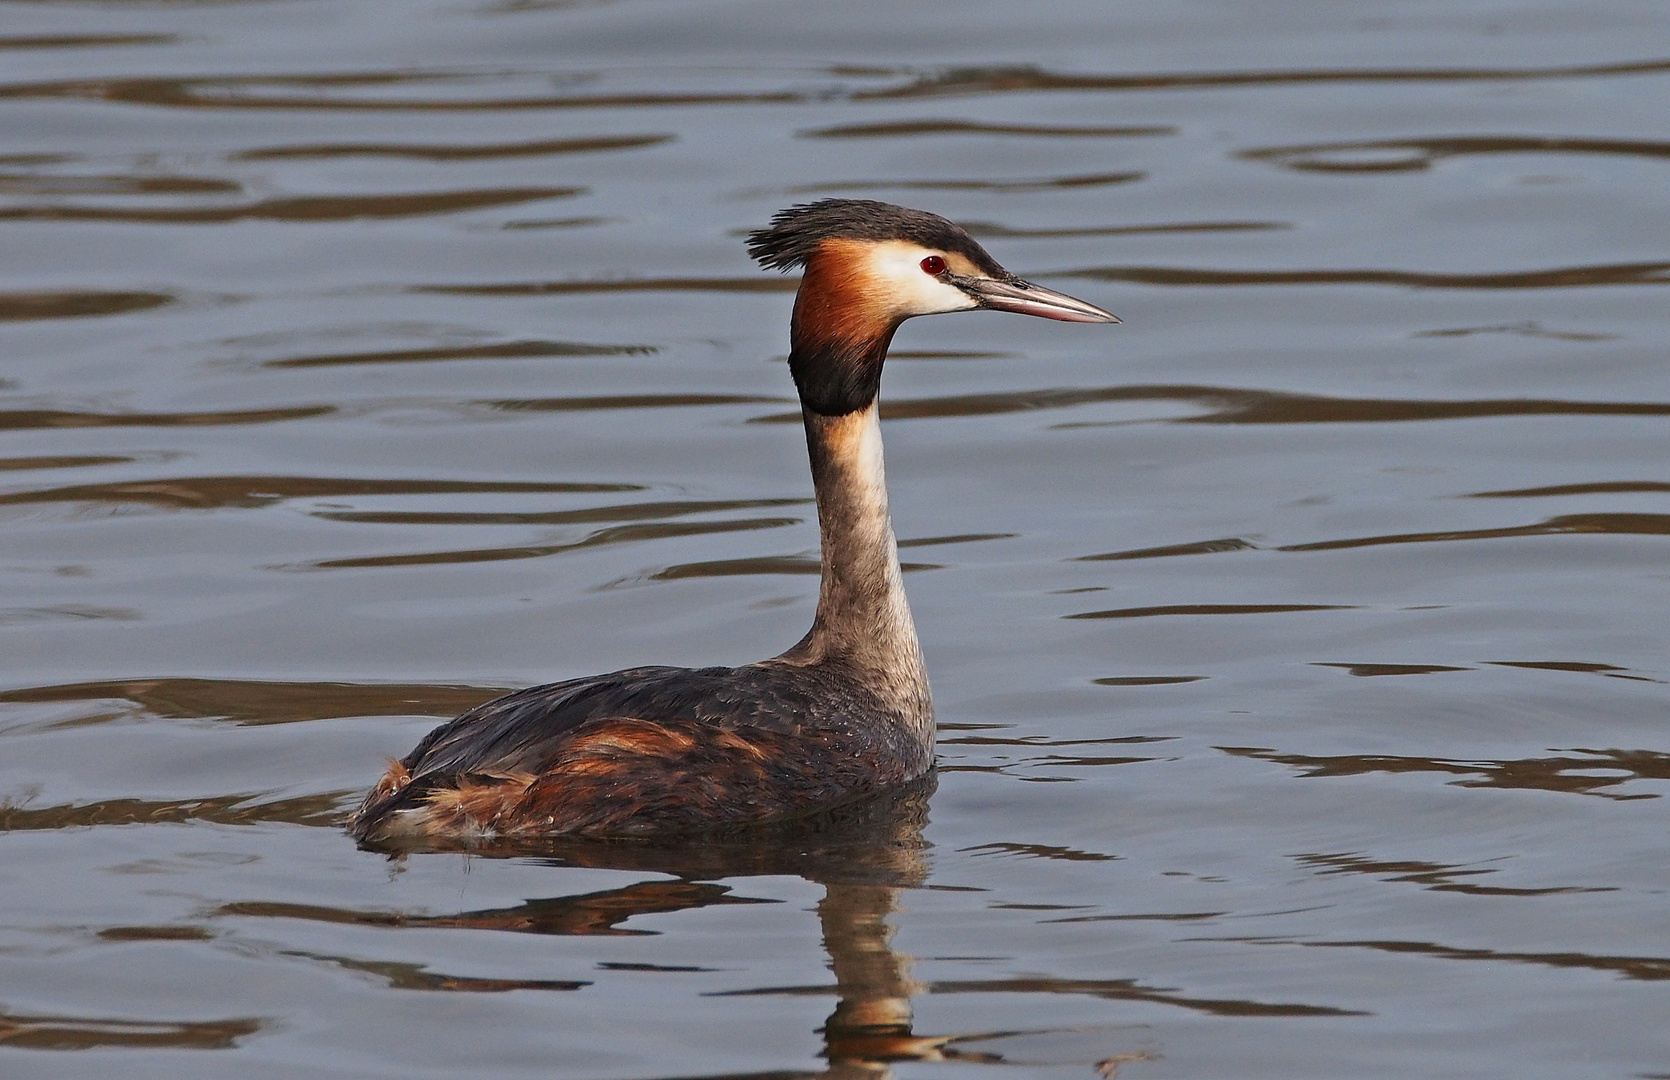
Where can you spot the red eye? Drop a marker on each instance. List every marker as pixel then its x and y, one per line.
pixel 934 265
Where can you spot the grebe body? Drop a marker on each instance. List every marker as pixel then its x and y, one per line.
pixel 844 713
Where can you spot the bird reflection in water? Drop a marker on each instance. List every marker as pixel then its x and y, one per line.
pixel 863 856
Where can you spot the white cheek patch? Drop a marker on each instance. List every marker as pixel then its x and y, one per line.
pixel 896 268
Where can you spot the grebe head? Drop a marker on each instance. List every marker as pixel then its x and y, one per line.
pixel 869 266
pixel 876 264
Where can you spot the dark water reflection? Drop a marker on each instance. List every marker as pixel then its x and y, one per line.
pixel 1560 277
pixel 974 80
pixel 314 209
pixel 1292 641
pixel 540 148
pixel 250 701
pixel 1591 774
pixel 1407 155
pixel 25 1032
pixel 862 856
pixel 19 306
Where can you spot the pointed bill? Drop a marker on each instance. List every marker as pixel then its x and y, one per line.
pixel 1029 299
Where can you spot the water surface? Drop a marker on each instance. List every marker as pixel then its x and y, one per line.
pixel 1298 645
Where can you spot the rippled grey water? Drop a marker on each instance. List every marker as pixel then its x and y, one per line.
pixel 1299 645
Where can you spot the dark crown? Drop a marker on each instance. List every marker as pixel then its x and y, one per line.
pixel 794 234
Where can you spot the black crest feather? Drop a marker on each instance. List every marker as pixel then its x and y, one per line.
pixel 794 234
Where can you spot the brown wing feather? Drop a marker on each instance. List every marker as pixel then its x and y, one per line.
pixel 623 776
pixel 725 747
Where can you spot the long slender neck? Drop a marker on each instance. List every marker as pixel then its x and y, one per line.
pixel 863 620
pixel 838 339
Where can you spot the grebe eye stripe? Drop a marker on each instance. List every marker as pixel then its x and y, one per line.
pixel 934 265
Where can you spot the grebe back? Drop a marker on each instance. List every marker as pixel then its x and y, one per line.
pixel 845 712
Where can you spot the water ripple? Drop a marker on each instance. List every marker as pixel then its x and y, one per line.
pixel 14 616
pixel 303 208
pixel 1610 671
pixel 398 975
pixel 618 512
pixel 347 90
pixel 898 128
pixel 756 565
pixel 963 81
pixel 1562 277
pixel 746 567
pixel 1201 547
pixel 1207 609
pixel 117 184
pixel 1042 183
pixel 1565 773
pixel 1147 680
pixel 752 284
pixel 1369 671
pixel 991 229
pixel 1612 524
pixel 18 306
pixel 1529 328
pixel 1038 851
pixel 322 92
pixel 627 401
pixel 454 151
pixel 1604 487
pixel 1438 877
pixel 244 809
pixel 1648 968
pixel 1106 989
pixel 1416 155
pixel 1229 405
pixel 76 461
pixel 503 350
pixel 221 492
pixel 25 419
pixel 84 41
pixel 620 534
pixel 26 1031
pixel 252 702
pixel 587 915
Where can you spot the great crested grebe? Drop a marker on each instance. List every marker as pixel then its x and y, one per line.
pixel 842 714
